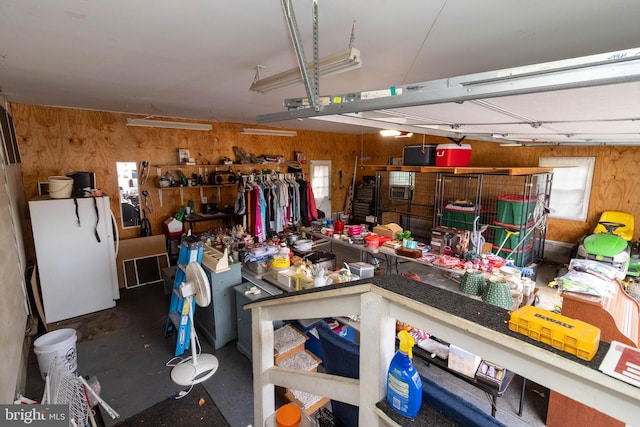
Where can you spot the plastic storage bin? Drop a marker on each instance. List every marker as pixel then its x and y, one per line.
pixel 362 269
pixel 313 343
pixel 500 234
pixel 512 209
pixel 453 155
pixel 419 155
pixel 520 257
pixel 458 217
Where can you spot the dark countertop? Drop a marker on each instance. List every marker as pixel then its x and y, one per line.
pixel 459 305
pixel 487 315
pixel 427 417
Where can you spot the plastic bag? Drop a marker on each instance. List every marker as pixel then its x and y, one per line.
pixel 596 268
pixel 586 283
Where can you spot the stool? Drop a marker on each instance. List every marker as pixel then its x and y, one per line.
pixel 172 240
pixel 169 277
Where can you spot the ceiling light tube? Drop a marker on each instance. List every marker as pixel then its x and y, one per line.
pixel 168 124
pixel 341 62
pixel 390 132
pixel 404 134
pixel 268 132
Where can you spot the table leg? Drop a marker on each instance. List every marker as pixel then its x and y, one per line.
pixel 494 405
pixel 524 383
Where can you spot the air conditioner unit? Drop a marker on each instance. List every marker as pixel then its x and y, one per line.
pixel 400 192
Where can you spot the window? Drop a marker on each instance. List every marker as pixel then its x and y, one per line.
pixel 320 180
pixel 321 184
pixel 571 189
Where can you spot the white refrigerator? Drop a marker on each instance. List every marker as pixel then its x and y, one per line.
pixel 76 255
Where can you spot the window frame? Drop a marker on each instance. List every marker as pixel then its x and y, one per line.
pixel 567 180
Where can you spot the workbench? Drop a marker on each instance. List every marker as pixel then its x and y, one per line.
pixel 188 222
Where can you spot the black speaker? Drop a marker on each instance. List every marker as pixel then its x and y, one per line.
pixel 83 183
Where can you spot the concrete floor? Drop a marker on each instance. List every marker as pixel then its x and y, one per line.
pixel 126 350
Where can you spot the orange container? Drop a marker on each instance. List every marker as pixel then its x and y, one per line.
pixel 372 241
pixel 288 415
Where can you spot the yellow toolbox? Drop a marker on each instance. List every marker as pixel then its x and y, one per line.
pixel 565 333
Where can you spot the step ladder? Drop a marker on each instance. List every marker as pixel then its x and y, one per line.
pixel 178 319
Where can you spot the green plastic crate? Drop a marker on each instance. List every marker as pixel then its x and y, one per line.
pixel 458 218
pixel 500 234
pixel 519 257
pixel 512 207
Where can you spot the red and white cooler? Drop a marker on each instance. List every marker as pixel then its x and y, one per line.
pixel 453 155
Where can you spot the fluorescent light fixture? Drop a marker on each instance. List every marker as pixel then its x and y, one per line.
pixel 268 132
pixel 346 60
pixel 167 124
pixel 396 133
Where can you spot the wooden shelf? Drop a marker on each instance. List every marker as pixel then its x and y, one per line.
pixel 212 169
pixel 233 165
pixel 177 187
pixel 461 169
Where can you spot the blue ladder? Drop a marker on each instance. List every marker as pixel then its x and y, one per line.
pixel 178 318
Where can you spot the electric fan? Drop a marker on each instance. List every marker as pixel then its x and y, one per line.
pixel 198 367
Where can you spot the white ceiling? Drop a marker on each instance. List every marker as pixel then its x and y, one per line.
pixel 196 59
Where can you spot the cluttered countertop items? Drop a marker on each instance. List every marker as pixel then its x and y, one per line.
pixel 300 258
pixel 449 247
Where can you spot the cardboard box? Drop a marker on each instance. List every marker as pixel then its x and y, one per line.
pixel 390 230
pixel 310 402
pixel 304 360
pixel 462 361
pixel 289 277
pixel 287 341
pixel 449 238
pixel 437 247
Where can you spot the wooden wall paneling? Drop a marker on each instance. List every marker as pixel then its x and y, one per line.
pixel 55 141
pixel 14 314
pixel 614 182
pixel 615 179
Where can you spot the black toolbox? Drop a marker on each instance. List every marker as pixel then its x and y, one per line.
pixel 419 155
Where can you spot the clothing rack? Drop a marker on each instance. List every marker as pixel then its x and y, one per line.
pixel 271 202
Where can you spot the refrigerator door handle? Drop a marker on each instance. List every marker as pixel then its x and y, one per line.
pixel 115 228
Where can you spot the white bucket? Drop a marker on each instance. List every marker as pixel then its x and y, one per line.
pixel 60 187
pixel 60 343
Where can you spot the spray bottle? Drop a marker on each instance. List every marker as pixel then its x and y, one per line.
pixel 404 387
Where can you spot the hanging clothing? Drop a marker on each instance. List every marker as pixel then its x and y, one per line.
pixel 312 213
pixel 258 231
pixel 303 201
pixel 262 208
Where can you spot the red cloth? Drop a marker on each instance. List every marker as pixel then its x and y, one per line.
pixel 312 211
